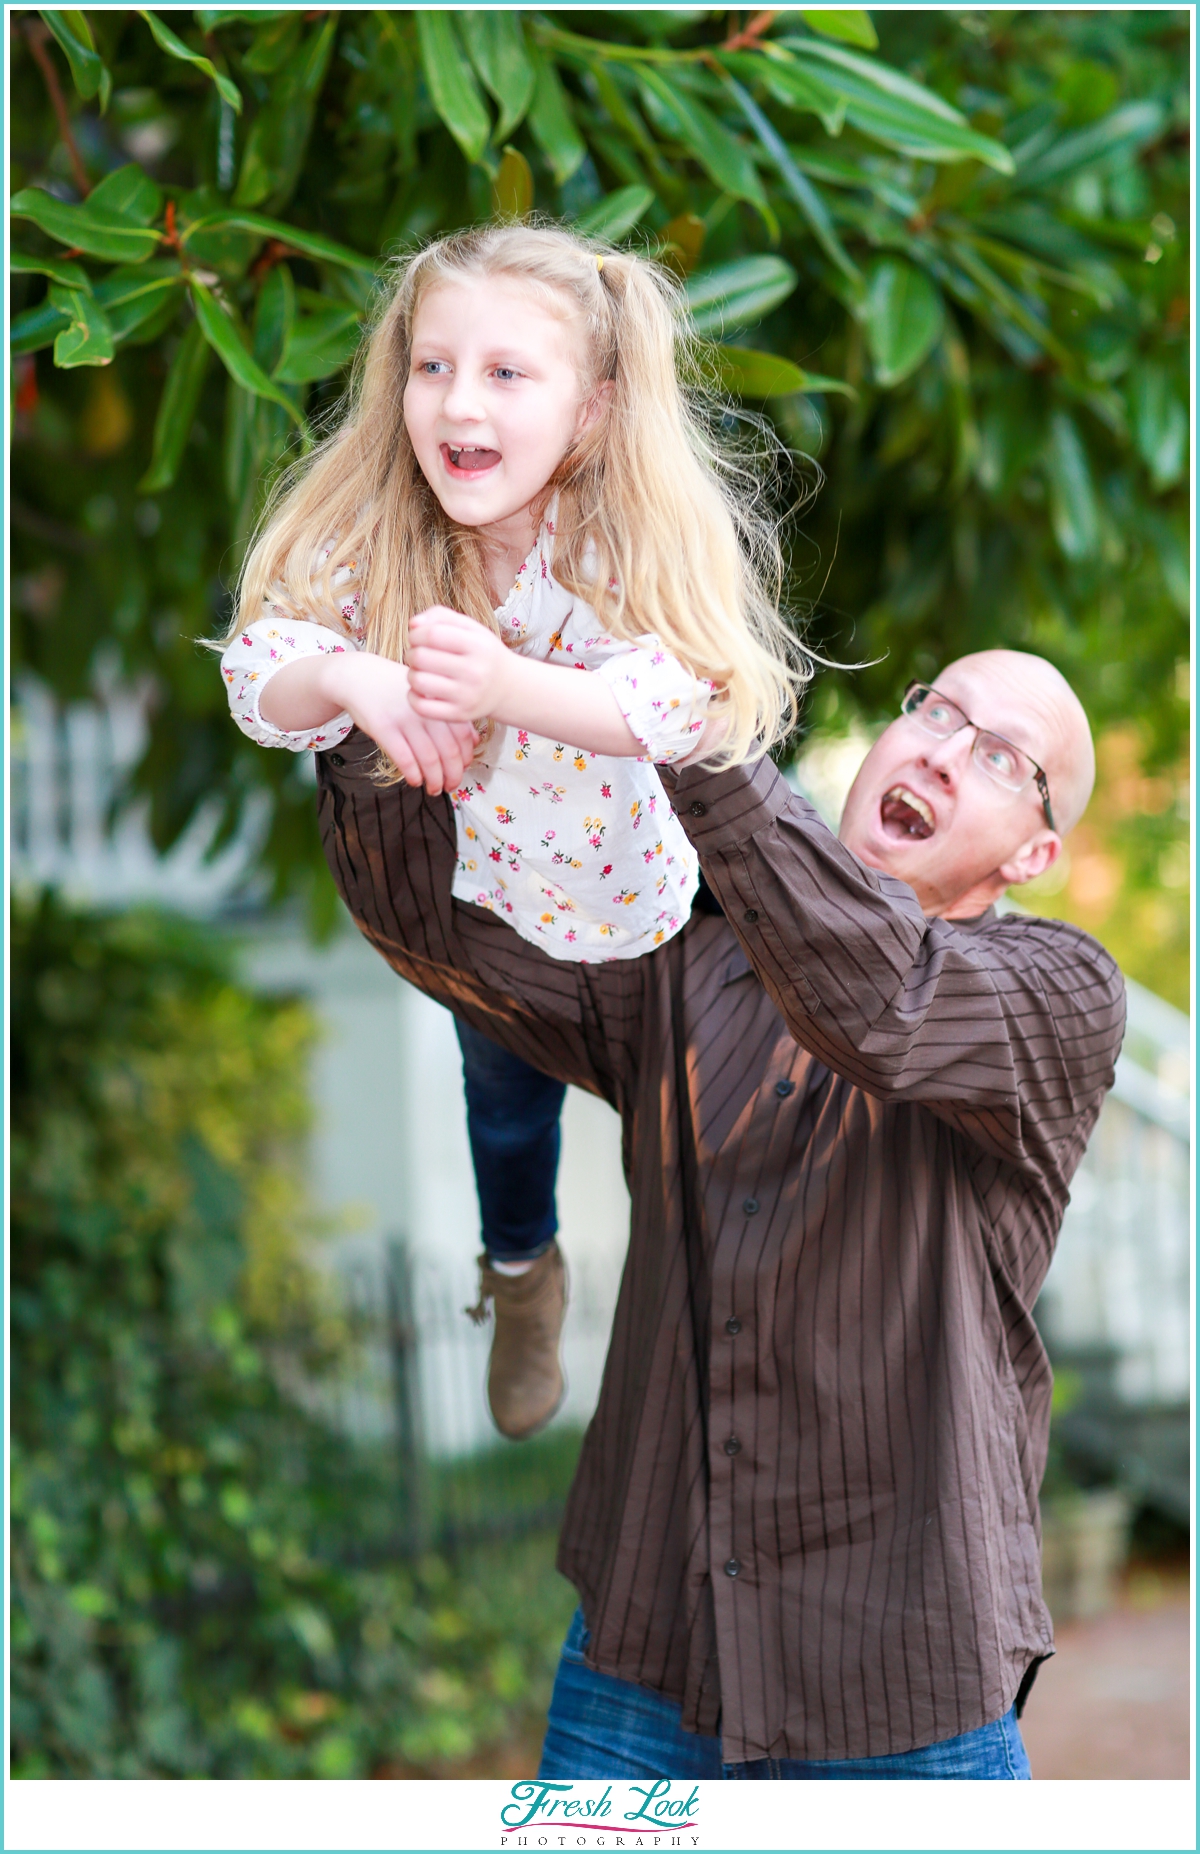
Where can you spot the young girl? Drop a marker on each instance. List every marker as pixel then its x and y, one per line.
pixel 521 489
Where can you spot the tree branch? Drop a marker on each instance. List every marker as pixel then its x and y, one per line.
pixel 37 36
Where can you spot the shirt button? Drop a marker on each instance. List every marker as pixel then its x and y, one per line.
pixel 336 759
pixel 733 1446
pixel 750 1205
pixel 733 1567
pixel 697 809
pixel 784 1088
pixel 750 916
pixel 733 1328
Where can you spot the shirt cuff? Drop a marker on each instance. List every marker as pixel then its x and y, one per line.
pixel 720 810
pixel 664 706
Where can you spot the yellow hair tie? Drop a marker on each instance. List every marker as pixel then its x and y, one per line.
pixel 599 263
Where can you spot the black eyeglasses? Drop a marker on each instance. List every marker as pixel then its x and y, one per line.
pixel 1003 763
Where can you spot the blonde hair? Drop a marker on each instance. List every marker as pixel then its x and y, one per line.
pixel 659 524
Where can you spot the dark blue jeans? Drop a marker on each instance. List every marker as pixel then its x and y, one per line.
pixel 600 1727
pixel 513 1121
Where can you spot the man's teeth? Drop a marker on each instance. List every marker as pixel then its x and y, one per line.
pixel 910 799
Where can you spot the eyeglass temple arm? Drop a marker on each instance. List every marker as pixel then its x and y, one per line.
pixel 1043 786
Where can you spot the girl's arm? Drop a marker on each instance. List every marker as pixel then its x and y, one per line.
pixel 374 692
pixel 460 671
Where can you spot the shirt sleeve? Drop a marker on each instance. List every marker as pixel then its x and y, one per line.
pixel 1009 1032
pixel 256 655
pixel 663 702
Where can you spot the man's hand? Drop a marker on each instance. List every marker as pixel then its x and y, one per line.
pixel 458 671
pixel 374 692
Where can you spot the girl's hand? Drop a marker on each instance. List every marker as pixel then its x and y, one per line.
pixel 374 692
pixel 457 669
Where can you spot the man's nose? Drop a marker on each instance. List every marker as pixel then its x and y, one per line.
pixel 947 758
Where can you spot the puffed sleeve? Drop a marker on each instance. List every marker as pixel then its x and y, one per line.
pixel 663 702
pixel 257 654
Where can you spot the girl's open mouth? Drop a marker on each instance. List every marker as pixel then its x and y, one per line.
pixel 468 459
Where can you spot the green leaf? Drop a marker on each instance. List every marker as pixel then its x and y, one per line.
pixel 88 71
pixel 552 125
pixel 797 89
pixel 902 315
pixel 319 345
pixel 452 86
pixel 176 410
pixel 616 214
pixel 733 295
pixel 512 189
pixel 752 373
pixel 496 47
pixel 1127 128
pixel 845 24
pixel 279 135
pixel 1160 424
pixel 134 295
pixel 308 244
pixel 805 195
pixel 59 270
pixel 719 153
pixel 891 108
pixel 223 334
pixel 87 340
pixel 1073 509
pixel 127 193
pixel 36 328
pixel 100 235
pixel 274 314
pixel 175 48
pixel 275 40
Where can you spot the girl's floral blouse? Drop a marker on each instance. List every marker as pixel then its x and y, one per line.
pixel 580 853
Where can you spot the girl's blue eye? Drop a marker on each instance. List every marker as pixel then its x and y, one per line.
pixel 506 373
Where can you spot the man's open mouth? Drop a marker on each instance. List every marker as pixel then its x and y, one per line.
pixel 903 814
pixel 469 459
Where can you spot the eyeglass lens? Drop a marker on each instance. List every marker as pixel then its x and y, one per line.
pixel 994 755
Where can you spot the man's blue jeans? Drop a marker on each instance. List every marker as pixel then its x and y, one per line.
pixel 513 1122
pixel 600 1728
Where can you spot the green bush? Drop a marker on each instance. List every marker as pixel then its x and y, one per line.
pixel 201 1575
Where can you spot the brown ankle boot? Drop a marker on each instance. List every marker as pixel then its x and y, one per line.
pixel 525 1379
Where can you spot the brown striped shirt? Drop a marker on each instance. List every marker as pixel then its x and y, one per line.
pixel 806 1507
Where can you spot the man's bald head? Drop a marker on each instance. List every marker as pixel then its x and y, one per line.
pixel 1054 707
pixel 923 807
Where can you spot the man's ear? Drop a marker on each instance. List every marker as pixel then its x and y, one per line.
pixel 1032 859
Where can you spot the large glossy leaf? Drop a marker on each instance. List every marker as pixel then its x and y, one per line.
pixel 280 131
pixel 175 48
pixel 35 329
pixel 59 270
pixel 794 85
pixel 512 189
pixel 134 296
pixel 87 339
pixel 176 410
pixel 320 343
pixel 1073 508
pixel 902 315
pixel 274 315
pixel 710 143
pixel 127 193
pixel 552 125
pixel 100 234
pixel 89 73
pixel 452 86
pixel 853 28
pixel 309 244
pixel 1160 424
pixel 616 214
pixel 223 335
pixel 753 374
pixel 496 45
pixel 734 295
pixel 1129 127
pixel 812 206
pixel 890 107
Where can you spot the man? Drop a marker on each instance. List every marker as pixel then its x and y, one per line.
pixel 804 1527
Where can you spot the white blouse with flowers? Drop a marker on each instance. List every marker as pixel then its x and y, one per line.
pixel 579 852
